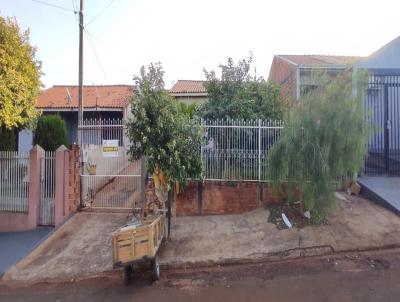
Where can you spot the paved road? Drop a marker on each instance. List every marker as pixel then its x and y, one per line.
pixel 371 276
pixel 15 245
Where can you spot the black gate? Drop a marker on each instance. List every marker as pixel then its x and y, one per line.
pixel 383 110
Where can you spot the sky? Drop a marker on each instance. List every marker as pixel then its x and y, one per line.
pixel 187 36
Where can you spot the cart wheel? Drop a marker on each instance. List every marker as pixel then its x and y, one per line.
pixel 127 274
pixel 155 267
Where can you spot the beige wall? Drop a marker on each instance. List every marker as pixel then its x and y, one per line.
pixel 191 99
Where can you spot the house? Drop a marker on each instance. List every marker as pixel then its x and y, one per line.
pixel 99 102
pixel 382 102
pixel 189 92
pixel 294 73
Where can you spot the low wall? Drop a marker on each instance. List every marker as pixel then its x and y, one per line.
pixel 223 197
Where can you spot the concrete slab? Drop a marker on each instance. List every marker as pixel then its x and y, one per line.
pixel 82 247
pixel 16 245
pixel 356 224
pixel 79 248
pixel 381 189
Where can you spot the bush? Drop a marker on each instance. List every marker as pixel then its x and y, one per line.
pixel 160 130
pixel 50 132
pixel 324 141
pixel 237 94
pixel 7 139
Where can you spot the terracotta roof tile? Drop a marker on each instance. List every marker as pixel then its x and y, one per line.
pixel 321 59
pixel 107 96
pixel 188 86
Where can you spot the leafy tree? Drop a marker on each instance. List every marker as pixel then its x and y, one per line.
pixel 239 95
pixel 160 131
pixel 323 141
pixel 7 139
pixel 19 74
pixel 50 132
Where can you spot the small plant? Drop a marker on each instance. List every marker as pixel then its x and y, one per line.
pixel 50 132
pixel 324 140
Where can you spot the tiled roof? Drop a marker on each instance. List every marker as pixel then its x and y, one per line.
pixel 188 87
pixel 321 59
pixel 66 97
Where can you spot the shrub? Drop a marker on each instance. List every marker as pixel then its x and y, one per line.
pixel 7 139
pixel 50 132
pixel 324 140
pixel 161 131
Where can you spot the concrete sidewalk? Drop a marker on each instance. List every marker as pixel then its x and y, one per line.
pixel 82 247
pixel 357 224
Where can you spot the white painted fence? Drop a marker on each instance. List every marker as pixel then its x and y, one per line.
pixel 237 150
pixel 14 181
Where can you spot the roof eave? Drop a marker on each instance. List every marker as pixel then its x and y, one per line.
pixel 193 94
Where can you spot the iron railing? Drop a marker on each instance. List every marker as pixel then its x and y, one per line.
pixel 14 181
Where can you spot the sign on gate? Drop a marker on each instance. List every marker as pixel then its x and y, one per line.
pixel 110 148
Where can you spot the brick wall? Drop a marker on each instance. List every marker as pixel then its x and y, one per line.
pixel 284 74
pixel 74 179
pixel 212 197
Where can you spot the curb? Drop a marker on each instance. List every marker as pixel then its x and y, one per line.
pixel 273 257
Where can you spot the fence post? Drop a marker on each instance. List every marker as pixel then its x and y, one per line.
pixel 259 150
pixel 61 207
pixel 35 166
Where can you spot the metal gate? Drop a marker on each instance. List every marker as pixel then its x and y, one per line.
pixel 108 180
pixel 383 109
pixel 111 183
pixel 47 189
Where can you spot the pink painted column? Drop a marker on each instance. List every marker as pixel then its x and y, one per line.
pixel 35 163
pixel 61 206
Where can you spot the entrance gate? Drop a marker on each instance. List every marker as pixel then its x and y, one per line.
pixel 383 109
pixel 109 179
pixel 47 189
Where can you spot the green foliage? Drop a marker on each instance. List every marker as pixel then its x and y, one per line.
pixel 161 131
pixel 50 132
pixel 189 110
pixel 239 95
pixel 19 74
pixel 324 140
pixel 7 139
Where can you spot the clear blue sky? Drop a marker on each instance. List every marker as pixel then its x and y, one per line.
pixel 189 35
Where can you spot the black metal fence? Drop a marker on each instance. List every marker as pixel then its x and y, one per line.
pixel 382 107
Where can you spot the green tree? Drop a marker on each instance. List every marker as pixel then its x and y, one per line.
pixel 161 131
pixel 7 139
pixel 239 95
pixel 323 141
pixel 19 74
pixel 50 132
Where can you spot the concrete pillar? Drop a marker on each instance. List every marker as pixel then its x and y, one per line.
pixel 35 164
pixel 61 206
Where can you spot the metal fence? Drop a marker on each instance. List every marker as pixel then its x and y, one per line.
pixel 14 181
pixel 94 131
pixel 237 150
pixel 47 189
pixel 382 105
pixel 115 187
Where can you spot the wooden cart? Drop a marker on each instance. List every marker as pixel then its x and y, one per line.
pixel 132 244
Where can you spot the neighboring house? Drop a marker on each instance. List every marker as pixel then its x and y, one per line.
pixel 383 108
pixel 189 92
pixel 100 102
pixel 294 73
